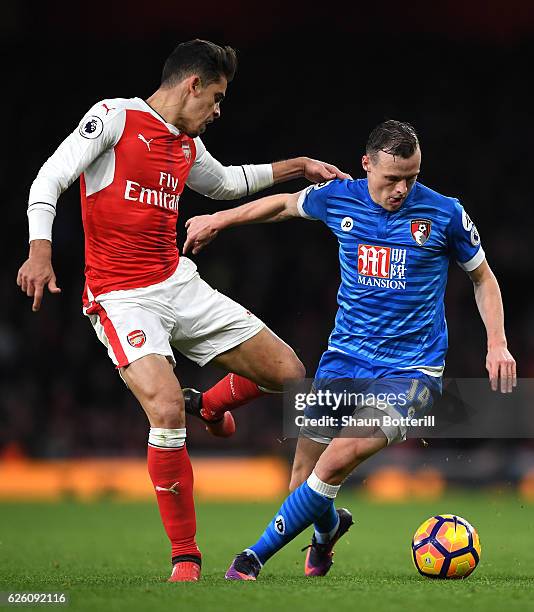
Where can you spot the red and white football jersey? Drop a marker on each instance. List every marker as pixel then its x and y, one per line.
pixel 134 167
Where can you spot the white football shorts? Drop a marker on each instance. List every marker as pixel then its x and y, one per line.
pixel 182 311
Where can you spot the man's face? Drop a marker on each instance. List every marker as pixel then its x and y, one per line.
pixel 202 105
pixel 391 178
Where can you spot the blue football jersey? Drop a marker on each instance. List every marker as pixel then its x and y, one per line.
pixel 393 270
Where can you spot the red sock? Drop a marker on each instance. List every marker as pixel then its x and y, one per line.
pixel 170 470
pixel 229 393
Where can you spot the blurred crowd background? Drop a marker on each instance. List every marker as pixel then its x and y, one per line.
pixel 307 84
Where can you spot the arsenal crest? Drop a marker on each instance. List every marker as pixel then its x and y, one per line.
pixel 186 148
pixel 420 230
pixel 136 338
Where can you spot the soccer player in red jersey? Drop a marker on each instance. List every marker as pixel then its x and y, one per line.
pixel 135 158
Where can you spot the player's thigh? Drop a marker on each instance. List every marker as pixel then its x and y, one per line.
pixel 151 379
pixel 343 455
pixel 396 400
pixel 137 335
pixel 131 328
pixel 207 323
pixel 265 358
pixel 211 327
pixel 307 454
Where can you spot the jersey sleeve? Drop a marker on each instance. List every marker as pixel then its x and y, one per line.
pixel 464 240
pixel 210 178
pixel 312 202
pixel 100 129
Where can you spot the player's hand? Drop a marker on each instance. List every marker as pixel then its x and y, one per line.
pixel 501 365
pixel 317 171
pixel 36 273
pixel 201 231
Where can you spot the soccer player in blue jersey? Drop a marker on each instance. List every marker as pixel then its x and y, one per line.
pixel 396 238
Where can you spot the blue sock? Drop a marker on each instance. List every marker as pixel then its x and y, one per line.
pixel 305 505
pixel 326 526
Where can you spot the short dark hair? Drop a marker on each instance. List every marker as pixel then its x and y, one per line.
pixel 393 137
pixel 208 60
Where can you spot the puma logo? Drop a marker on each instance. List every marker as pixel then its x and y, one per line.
pixel 171 489
pixel 147 142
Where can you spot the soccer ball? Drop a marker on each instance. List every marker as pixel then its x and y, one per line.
pixel 446 546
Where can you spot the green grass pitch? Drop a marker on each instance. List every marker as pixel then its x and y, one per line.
pixel 114 556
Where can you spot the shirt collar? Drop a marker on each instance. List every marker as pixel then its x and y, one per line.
pixel 172 128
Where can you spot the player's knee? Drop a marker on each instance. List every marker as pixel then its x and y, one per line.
pixel 295 370
pixel 289 369
pixel 168 416
pixel 334 474
pixel 165 409
pixel 337 468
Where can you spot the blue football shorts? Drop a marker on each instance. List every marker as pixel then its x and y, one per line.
pixel 355 398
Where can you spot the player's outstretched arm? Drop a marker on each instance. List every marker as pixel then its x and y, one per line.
pixel 499 362
pixel 312 169
pixel 210 178
pixel 203 229
pixel 36 272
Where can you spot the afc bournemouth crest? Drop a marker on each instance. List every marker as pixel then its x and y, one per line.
pixel 136 338
pixel 420 230
pixel 186 148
